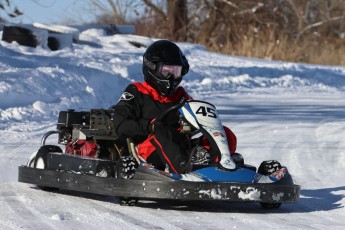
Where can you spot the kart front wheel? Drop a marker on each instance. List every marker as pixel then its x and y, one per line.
pixel 126 169
pixel 270 205
pixel 266 168
pixel 126 201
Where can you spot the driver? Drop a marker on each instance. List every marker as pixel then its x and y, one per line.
pixel 161 145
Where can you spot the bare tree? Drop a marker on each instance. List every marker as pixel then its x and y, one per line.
pixel 115 11
pixel 177 19
pixel 257 28
pixel 171 15
pixel 174 18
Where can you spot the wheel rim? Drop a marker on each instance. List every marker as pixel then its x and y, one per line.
pixel 40 163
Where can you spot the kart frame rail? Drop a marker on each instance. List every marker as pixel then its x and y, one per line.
pixel 161 187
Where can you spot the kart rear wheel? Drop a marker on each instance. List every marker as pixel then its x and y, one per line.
pixel 40 161
pixel 267 168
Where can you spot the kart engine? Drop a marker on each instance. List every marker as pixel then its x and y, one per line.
pixel 89 134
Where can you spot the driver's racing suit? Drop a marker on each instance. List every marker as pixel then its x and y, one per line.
pixel 138 106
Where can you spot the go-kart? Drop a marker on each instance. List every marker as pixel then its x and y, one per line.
pixel 117 170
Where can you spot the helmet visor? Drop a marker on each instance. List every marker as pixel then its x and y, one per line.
pixel 171 71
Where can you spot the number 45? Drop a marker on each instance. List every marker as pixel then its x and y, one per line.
pixel 206 112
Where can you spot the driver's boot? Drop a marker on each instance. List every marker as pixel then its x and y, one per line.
pixel 200 156
pixel 238 159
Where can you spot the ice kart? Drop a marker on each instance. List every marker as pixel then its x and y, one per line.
pixel 97 161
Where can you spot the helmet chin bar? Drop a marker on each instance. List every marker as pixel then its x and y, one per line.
pixel 164 87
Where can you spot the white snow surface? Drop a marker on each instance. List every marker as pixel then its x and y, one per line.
pixel 290 112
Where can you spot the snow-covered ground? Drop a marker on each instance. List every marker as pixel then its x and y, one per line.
pixel 290 112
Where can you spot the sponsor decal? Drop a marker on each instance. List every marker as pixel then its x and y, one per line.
pixel 216 134
pixel 279 174
pixel 126 97
pixel 276 176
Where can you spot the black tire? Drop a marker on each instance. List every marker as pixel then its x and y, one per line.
pixel 126 201
pixel 42 154
pixel 126 167
pixel 270 205
pixel 53 43
pixel 267 168
pixel 21 35
pixel 40 161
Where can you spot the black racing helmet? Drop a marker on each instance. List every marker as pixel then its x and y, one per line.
pixel 164 65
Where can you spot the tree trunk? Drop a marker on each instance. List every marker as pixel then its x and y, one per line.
pixel 177 19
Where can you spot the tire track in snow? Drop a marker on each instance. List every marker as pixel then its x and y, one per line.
pixel 102 208
pixel 25 216
pixel 11 156
pixel 131 219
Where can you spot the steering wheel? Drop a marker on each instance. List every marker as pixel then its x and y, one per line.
pixel 165 113
pixel 186 128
